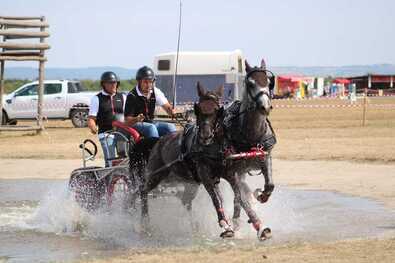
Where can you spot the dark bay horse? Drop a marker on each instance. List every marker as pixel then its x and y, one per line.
pixel 192 156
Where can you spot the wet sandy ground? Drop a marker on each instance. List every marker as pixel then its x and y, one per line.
pixel 295 214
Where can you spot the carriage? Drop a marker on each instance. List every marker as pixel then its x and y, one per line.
pixel 94 187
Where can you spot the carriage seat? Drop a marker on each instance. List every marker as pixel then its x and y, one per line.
pixel 122 127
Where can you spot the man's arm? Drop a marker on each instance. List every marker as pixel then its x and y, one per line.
pixel 162 101
pixel 93 109
pixel 92 124
pixel 169 109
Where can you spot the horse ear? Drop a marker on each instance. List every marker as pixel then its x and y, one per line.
pixel 263 64
pixel 201 91
pixel 219 91
pixel 248 67
pixel 221 112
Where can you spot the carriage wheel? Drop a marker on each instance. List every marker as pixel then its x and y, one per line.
pixel 120 187
pixel 88 192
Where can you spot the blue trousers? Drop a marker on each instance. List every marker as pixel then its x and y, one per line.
pixel 108 143
pixel 155 129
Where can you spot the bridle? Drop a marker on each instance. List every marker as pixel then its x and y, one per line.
pixel 219 111
pixel 250 84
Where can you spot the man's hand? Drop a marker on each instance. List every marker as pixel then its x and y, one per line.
pixel 140 117
pixel 93 130
pixel 132 120
pixel 172 113
pixel 92 125
pixel 169 110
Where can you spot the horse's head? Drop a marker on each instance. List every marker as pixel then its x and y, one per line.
pixel 259 85
pixel 208 113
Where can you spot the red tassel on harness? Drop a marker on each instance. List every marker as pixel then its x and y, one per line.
pixel 253 153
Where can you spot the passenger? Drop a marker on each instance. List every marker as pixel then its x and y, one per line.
pixel 108 105
pixel 140 106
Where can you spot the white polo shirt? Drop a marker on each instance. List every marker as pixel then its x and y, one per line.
pixel 159 96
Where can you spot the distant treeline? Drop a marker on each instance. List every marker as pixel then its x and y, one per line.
pixel 126 85
pixel 12 84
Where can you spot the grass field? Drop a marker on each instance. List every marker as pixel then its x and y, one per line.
pixel 303 134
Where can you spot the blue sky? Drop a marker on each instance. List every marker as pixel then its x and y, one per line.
pixel 286 33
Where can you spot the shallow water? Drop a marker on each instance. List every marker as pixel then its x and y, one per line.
pixel 38 222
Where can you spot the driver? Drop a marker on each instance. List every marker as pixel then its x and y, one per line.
pixel 140 106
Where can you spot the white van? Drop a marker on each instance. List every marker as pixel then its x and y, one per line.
pixel 210 68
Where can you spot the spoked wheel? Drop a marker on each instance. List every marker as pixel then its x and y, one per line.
pixel 120 189
pixel 88 192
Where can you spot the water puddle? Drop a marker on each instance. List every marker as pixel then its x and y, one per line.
pixel 38 221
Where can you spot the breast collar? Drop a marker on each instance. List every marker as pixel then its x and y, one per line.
pixel 236 136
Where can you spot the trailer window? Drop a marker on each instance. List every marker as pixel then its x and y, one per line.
pixel 164 64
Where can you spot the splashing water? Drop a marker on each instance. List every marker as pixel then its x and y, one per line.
pixel 171 224
pixel 37 215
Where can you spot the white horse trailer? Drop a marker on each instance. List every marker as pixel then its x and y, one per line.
pixel 210 68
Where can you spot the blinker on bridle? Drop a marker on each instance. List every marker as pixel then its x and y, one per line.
pixel 251 84
pixel 214 99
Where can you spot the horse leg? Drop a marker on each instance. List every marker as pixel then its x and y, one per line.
pixel 263 196
pixel 189 194
pixel 211 186
pixel 263 232
pixel 246 191
pixel 236 209
pixel 142 179
pixel 150 183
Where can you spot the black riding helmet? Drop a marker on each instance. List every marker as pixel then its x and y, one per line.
pixel 145 73
pixel 109 76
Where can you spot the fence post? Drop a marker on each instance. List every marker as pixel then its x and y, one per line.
pixel 41 86
pixel 365 100
pixel 1 90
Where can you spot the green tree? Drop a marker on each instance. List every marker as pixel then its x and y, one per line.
pixel 92 85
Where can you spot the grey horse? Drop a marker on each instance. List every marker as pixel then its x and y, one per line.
pixel 247 127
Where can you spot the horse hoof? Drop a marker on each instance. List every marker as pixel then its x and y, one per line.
pixel 236 224
pixel 146 232
pixel 227 234
pixel 78 227
pixel 264 233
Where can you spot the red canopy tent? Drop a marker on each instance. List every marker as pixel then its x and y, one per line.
pixel 341 81
pixel 289 84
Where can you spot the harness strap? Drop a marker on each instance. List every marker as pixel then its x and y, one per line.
pixel 166 166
